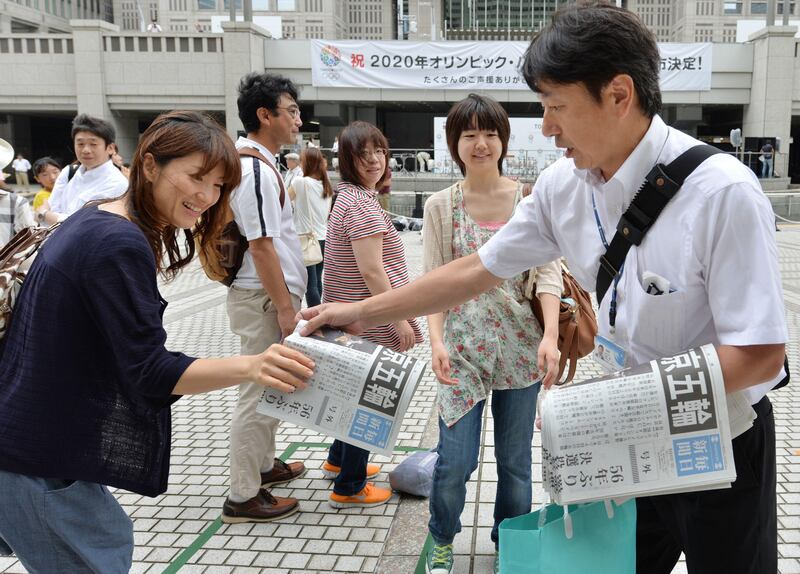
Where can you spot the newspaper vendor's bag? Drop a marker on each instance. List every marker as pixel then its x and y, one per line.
pixel 595 538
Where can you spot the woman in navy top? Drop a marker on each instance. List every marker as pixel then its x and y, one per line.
pixel 86 383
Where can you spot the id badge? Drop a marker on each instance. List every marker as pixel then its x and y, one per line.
pixel 610 356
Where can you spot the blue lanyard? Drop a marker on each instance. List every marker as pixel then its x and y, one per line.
pixel 612 310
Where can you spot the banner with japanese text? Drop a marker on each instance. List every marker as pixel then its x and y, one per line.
pixel 468 65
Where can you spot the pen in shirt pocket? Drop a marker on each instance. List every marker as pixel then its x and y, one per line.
pixel 655 284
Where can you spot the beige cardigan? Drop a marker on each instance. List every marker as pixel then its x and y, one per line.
pixel 437 240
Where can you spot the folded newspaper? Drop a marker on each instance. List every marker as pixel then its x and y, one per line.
pixel 359 392
pixel 657 428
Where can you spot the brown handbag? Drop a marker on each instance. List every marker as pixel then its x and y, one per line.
pixel 222 258
pixel 16 257
pixel 577 324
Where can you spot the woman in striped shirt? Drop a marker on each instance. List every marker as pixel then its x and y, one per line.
pixel 364 256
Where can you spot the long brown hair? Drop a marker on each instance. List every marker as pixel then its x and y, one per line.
pixel 174 135
pixel 312 162
pixel 352 140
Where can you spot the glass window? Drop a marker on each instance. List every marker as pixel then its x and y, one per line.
pixel 287 5
pixel 261 5
pixel 238 4
pixel 733 8
pixel 206 4
pixel 780 7
pixel 758 7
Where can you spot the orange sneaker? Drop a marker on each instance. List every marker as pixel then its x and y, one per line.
pixel 330 471
pixel 369 496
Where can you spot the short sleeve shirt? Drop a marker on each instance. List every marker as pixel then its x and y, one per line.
pixel 258 213
pixel 357 215
pixel 103 182
pixel 714 242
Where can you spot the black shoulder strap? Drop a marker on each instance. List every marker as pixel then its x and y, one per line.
pixel 659 187
pixel 73 169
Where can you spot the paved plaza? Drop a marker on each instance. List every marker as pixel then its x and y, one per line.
pixel 181 531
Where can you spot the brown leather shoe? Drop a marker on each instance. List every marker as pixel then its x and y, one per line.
pixel 282 473
pixel 263 507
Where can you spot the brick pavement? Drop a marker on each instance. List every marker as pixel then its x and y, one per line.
pixel 180 531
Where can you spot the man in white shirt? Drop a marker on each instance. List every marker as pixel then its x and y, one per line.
pixel 294 170
pixel 266 294
pixel 95 178
pixel 596 70
pixel 21 167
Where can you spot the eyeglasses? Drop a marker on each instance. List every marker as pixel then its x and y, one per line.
pixel 293 110
pixel 379 153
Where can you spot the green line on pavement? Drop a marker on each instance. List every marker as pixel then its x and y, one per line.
pixel 212 529
pixel 198 543
pixel 424 555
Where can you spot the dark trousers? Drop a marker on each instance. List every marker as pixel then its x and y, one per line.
pixel 314 287
pixel 353 462
pixel 730 531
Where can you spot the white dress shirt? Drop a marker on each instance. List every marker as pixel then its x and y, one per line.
pixel 258 213
pixel 103 182
pixel 714 242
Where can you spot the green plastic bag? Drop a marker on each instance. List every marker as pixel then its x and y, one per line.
pixel 541 544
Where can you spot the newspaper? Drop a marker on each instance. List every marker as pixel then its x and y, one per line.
pixel 657 428
pixel 358 394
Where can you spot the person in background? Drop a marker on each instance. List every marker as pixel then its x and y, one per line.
pixel 471 362
pixel 96 176
pixel 767 159
pixel 312 194
pixel 91 305
pixel 364 256
pixel 293 169
pixel 45 172
pixel 21 167
pixel 265 295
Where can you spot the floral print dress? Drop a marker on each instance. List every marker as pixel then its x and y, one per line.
pixel 492 339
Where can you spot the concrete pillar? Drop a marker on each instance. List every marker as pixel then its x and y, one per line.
pixel 5 24
pixel 245 45
pixel 90 81
pixel 769 113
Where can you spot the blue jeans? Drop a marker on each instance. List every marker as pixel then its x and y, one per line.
pixel 56 525
pixel 353 462
pixel 314 287
pixel 766 168
pixel 514 413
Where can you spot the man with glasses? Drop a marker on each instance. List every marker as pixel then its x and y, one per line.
pixel 266 293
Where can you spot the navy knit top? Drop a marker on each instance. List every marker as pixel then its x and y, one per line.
pixel 85 380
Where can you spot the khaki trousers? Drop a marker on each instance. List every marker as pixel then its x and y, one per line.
pixel 22 178
pixel 254 318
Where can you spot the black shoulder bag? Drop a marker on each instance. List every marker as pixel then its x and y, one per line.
pixel 659 187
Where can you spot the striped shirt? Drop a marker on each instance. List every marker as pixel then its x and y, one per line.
pixel 357 215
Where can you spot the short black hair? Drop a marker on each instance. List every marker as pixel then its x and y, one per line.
pixel 481 113
pixel 100 128
pixel 591 42
pixel 43 162
pixel 261 91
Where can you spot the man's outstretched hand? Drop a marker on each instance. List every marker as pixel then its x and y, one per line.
pixel 345 316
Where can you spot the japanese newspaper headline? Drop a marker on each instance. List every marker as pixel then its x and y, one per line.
pixel 656 428
pixel 359 392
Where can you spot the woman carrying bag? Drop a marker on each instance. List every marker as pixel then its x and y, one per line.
pixel 486 346
pixel 86 383
pixel 312 195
